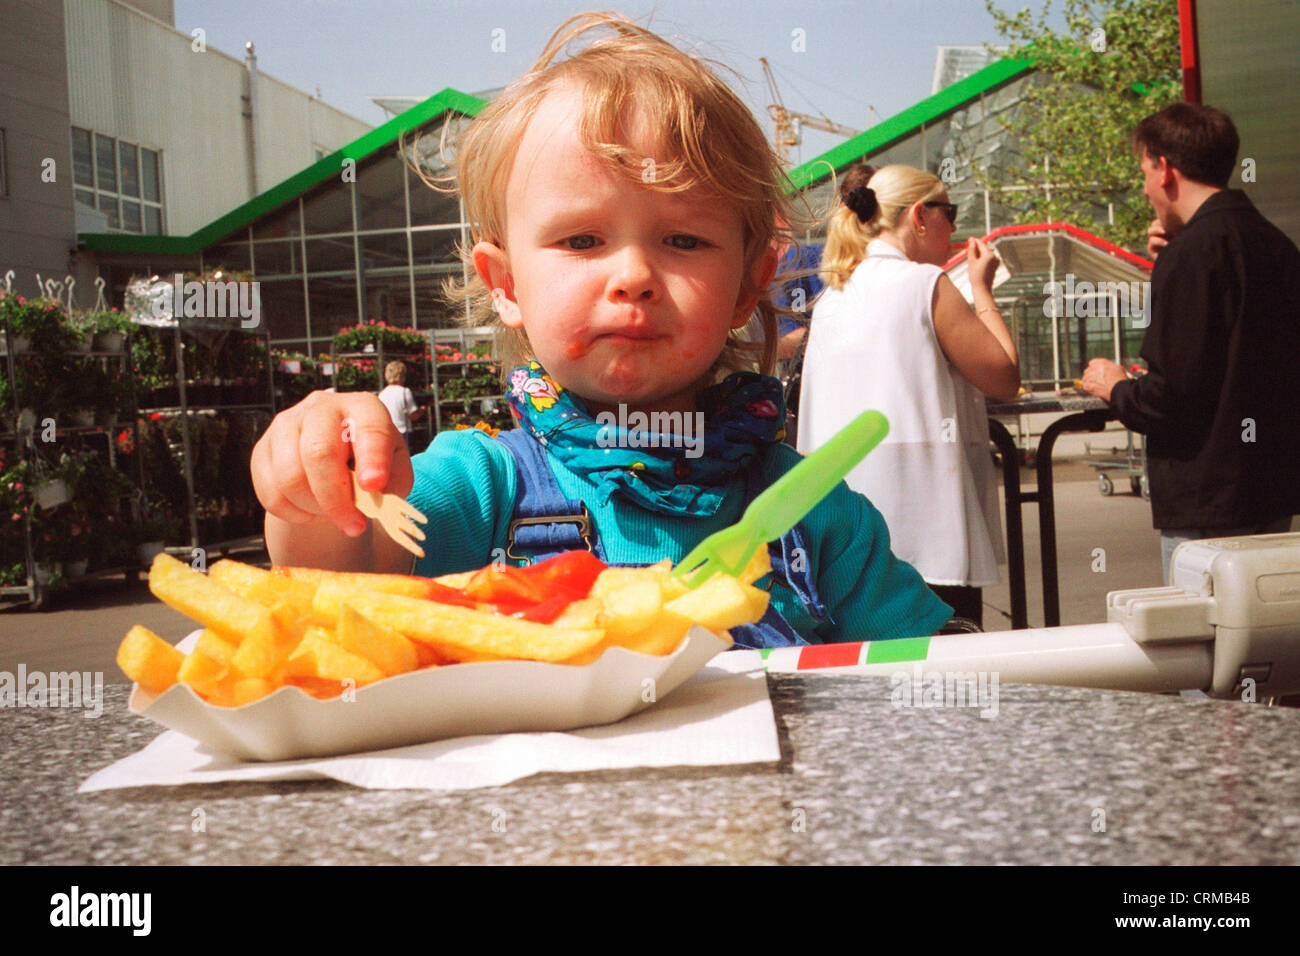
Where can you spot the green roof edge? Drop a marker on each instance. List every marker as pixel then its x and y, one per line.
pixel 880 136
pixel 448 100
pixel 901 125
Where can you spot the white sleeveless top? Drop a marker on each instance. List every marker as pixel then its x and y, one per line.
pixel 872 345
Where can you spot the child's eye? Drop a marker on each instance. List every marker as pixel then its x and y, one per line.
pixel 681 241
pixel 579 243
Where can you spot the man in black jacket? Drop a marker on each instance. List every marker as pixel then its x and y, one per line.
pixel 1220 403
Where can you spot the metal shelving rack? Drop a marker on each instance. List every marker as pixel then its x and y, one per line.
pixel 185 410
pixel 23 441
pixel 462 339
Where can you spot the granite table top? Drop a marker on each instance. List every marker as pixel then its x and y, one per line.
pixel 1059 775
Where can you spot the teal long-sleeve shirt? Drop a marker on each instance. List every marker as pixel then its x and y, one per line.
pixel 465 483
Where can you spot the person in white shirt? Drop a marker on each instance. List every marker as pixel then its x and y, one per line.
pixel 400 400
pixel 891 332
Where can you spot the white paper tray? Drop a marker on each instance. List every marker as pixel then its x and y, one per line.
pixel 456 700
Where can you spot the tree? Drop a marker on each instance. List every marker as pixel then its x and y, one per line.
pixel 1117 62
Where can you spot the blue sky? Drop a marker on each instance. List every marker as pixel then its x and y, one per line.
pixel 858 53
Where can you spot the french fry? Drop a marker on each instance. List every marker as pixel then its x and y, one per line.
pixel 426 655
pixel 457 580
pixel 660 638
pixel 385 648
pixel 229 614
pixel 334 591
pixel 719 603
pixel 262 652
pixel 631 608
pixel 611 579
pixel 248 689
pixel 208 664
pixel 323 631
pixel 582 615
pixel 759 565
pixel 460 632
pixel 216 647
pixel 269 589
pixel 317 687
pixel 149 660
pixel 320 656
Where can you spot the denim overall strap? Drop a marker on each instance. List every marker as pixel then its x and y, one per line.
pixel 544 523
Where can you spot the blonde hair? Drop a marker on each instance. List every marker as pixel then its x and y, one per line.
pixel 708 131
pixel 395 373
pixel 891 190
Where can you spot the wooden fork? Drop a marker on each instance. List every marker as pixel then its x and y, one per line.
pixel 393 514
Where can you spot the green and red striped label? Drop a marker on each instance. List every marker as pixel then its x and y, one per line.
pixel 820 656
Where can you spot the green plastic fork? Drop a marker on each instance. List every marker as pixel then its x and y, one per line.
pixel 780 507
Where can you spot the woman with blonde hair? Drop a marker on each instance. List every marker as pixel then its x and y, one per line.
pixel 400 400
pixel 892 332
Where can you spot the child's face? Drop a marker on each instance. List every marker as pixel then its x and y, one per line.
pixel 626 294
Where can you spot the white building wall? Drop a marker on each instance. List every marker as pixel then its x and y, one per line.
pixel 133 77
pixel 36 218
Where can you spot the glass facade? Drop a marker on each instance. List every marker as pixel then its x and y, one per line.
pixel 376 243
pixel 373 243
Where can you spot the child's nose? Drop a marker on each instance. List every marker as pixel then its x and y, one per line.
pixel 633 276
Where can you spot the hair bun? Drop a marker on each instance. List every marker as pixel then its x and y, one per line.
pixel 862 200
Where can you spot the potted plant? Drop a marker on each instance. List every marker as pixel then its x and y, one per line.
pixel 52 492
pixel 81 334
pixel 17 502
pixel 38 325
pixel 60 535
pixel 50 576
pixel 11 339
pixel 151 536
pixel 76 396
pixel 115 402
pixel 111 330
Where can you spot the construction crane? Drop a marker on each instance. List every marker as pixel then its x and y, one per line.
pixel 789 123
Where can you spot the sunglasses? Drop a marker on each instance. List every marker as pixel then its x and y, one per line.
pixel 949 209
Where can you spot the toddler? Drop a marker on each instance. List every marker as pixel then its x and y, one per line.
pixel 624 206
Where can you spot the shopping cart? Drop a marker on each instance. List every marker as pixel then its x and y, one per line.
pixel 1131 463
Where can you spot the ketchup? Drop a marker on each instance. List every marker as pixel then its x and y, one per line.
pixel 539 592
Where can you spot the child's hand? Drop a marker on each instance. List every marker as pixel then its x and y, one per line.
pixel 300 465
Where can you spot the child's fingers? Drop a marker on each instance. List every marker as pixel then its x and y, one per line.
pixel 401 477
pixel 376 445
pixel 270 491
pixel 324 447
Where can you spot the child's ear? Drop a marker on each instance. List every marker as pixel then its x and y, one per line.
pixel 493 267
pixel 761 274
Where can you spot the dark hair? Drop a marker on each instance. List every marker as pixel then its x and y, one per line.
pixel 856 194
pixel 1198 141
